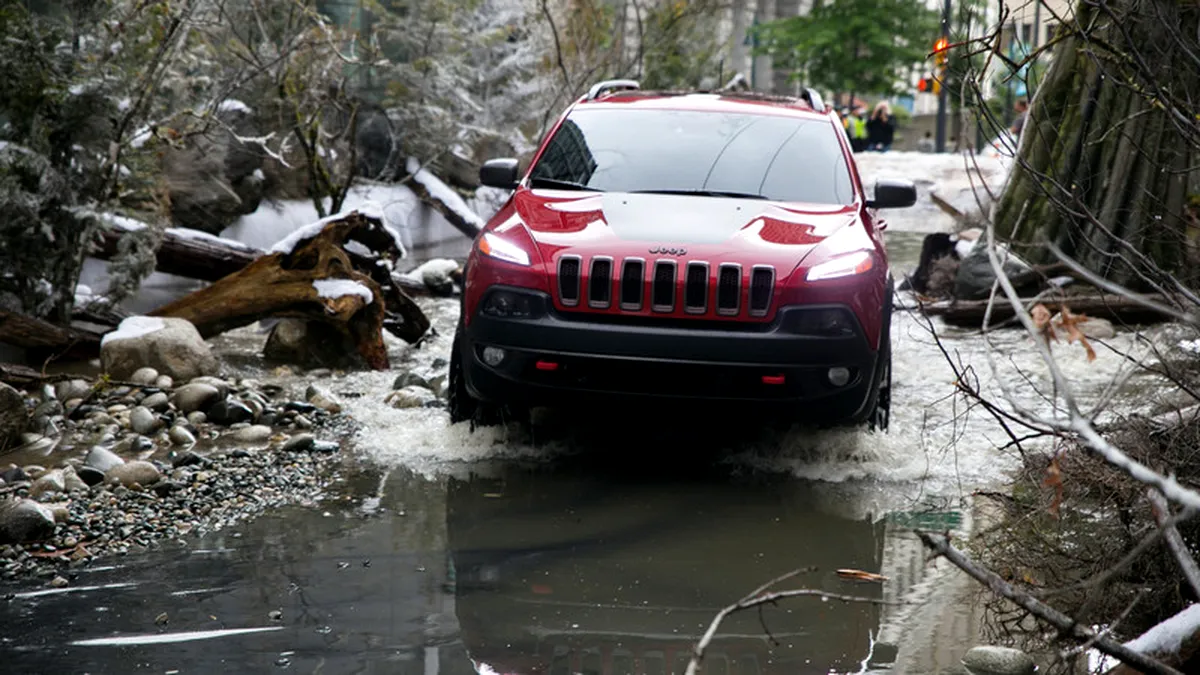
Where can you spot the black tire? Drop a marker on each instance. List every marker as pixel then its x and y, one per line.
pixel 881 412
pixel 462 406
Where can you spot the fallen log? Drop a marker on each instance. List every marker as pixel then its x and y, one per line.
pixel 1115 308
pixel 443 199
pixel 188 253
pixel 46 339
pixel 311 276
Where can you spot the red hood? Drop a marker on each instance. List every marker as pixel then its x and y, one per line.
pixel 624 224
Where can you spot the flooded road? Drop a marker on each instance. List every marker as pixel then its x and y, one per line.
pixel 579 547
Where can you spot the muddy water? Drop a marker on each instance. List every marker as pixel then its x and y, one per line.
pixel 582 546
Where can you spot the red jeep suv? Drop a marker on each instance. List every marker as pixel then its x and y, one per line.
pixel 711 246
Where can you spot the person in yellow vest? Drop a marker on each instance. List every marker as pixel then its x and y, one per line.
pixel 856 128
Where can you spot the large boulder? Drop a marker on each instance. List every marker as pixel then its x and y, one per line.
pixel 976 276
pixel 14 418
pixel 213 178
pixel 171 346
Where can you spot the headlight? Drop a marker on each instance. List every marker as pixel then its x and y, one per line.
pixel 502 249
pixel 842 266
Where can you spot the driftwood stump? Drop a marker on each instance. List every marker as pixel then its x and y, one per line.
pixel 281 284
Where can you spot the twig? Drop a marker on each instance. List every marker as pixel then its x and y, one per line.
pixel 940 544
pixel 1162 515
pixel 759 597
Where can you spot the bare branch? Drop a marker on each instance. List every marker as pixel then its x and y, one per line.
pixel 1162 515
pixel 940 544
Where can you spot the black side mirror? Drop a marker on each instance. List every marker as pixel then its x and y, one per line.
pixel 893 194
pixel 500 173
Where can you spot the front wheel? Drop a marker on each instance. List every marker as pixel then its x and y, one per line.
pixel 460 403
pixel 881 412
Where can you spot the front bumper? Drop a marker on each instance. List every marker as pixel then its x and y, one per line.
pixel 593 356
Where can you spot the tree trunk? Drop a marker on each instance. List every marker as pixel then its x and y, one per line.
pixel 1106 152
pixel 188 255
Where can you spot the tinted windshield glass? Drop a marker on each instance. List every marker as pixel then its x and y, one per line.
pixel 780 158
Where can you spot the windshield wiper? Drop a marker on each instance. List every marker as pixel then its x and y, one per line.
pixel 536 181
pixel 705 193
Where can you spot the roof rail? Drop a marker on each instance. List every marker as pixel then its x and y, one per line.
pixel 814 99
pixel 611 85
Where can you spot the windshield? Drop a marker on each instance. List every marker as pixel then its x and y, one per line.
pixel 765 156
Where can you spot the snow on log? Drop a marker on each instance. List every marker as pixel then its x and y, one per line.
pixel 1175 642
pixel 188 253
pixel 310 275
pixel 444 199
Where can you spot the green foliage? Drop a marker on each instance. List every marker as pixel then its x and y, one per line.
pixel 852 45
pixel 681 48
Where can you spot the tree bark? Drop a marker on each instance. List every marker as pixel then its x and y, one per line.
pixel 45 338
pixel 1105 158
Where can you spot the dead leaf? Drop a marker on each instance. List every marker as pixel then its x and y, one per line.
pixel 1070 323
pixel 859 575
pixel 1041 321
pixel 1054 479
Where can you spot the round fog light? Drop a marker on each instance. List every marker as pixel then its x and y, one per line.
pixel 493 355
pixel 838 376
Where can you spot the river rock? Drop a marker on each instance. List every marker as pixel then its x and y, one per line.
pixel 195 396
pixel 13 416
pixel 196 418
pixel 323 399
pixel 90 475
pixel 51 481
pixel 102 459
pixel 24 520
pixel 144 376
pixel 410 397
pixel 990 660
pixel 157 402
pixel 299 443
pixel 410 379
pixel 257 433
pixel 14 474
pixel 170 346
pixel 222 385
pixel 164 382
pixel 229 412
pixel 181 436
pixel 138 471
pixel 143 421
pixel 69 390
pixel 72 481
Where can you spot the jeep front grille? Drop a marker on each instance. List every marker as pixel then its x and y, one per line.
pixel 600 282
pixel 700 289
pixel 729 289
pixel 695 289
pixel 762 287
pixel 663 293
pixel 633 284
pixel 568 279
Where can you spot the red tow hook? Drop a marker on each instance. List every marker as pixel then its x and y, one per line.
pixel 772 379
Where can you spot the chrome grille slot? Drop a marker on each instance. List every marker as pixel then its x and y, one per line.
pixel 662 294
pixel 568 279
pixel 600 282
pixel 633 281
pixel 695 288
pixel 729 289
pixel 762 287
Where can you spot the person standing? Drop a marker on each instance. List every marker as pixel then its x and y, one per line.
pixel 1018 125
pixel 881 128
pixel 856 129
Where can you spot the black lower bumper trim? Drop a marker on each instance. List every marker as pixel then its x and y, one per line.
pixel 547 359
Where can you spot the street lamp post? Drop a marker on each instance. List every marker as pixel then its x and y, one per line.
pixel 940 58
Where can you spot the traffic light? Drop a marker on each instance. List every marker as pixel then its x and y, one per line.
pixel 940 49
pixel 929 85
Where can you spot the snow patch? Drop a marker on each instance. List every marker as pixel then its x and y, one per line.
pixel 433 272
pixel 358 248
pixel 340 288
pixel 133 327
pixel 123 223
pixel 442 192
pixel 189 233
pixel 124 104
pixel 370 209
pixel 1192 346
pixel 234 105
pixel 1168 636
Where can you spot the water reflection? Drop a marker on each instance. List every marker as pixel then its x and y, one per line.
pixel 590 565
pixel 586 571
